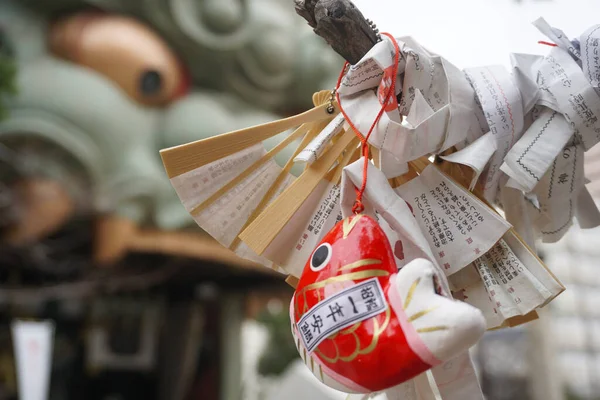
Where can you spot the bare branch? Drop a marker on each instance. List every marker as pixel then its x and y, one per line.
pixel 342 26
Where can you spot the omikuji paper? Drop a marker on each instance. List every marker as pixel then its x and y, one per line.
pixel 558 192
pixel 389 206
pixel 316 147
pixel 319 213
pixel 198 185
pixel 437 101
pixel 458 227
pixel 476 155
pixel 513 289
pixel 225 218
pixel 456 379
pixel 530 158
pixel 464 278
pixel 503 110
pixel 590 56
pixel 564 88
pixel 557 36
pixel 513 282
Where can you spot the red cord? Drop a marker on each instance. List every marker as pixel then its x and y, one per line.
pixel 358 206
pixel 548 43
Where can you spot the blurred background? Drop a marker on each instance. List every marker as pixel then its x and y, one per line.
pixel 92 236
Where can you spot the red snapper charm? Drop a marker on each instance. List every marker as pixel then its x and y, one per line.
pixel 361 326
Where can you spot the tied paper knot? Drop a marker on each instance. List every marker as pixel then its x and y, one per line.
pixel 436 110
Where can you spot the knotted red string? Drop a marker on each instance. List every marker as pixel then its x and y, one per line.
pixel 358 205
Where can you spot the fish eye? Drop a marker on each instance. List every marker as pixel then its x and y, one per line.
pixel 320 257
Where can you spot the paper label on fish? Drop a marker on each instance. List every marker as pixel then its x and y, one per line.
pixel 346 308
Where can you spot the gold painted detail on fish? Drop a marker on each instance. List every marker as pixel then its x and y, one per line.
pixel 411 293
pixel 360 263
pixel 420 314
pixel 349 224
pixel 432 329
pixel 377 331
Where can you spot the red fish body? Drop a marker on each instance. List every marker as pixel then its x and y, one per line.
pixel 373 354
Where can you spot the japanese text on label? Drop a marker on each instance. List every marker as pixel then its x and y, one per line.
pixel 355 304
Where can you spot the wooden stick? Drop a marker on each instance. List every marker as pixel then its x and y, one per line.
pixel 261 232
pixel 351 151
pixel 278 181
pixel 292 281
pixel 250 170
pixel 181 159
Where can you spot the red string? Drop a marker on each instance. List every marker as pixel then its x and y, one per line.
pixel 358 206
pixel 548 43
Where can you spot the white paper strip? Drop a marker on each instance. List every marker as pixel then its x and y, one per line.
pixel 33 343
pixel 464 278
pixel 457 225
pixel 437 100
pixel 425 384
pixel 534 266
pixel 195 186
pixel 423 132
pixel 503 109
pixel 225 218
pixel 565 88
pixel 536 215
pixel 390 165
pixel 418 388
pixel 525 69
pixel 316 147
pixel 590 56
pixel 404 391
pixel 533 154
pixel 456 379
pixel 463 121
pixel 476 155
pixel 478 296
pixel 517 213
pixel 558 191
pixel 557 36
pixel 512 288
pixel 423 74
pixel 513 282
pixel 530 93
pixel 587 212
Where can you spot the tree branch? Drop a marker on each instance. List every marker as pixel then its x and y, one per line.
pixel 342 26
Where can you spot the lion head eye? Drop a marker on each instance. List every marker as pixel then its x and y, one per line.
pixel 320 257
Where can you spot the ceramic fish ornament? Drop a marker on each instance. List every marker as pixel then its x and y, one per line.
pixel 361 325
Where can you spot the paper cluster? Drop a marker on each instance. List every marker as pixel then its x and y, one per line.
pixel 511 128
